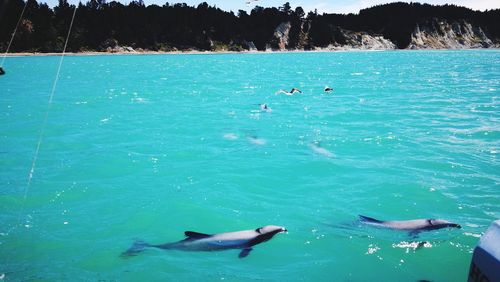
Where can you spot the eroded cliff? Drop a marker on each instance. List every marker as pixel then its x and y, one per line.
pixel 440 34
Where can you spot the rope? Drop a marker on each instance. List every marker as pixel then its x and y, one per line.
pixel 40 137
pixel 42 130
pixel 13 34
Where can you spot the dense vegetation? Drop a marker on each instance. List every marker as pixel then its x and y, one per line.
pixel 99 25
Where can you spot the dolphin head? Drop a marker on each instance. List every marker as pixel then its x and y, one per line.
pixel 440 223
pixel 270 229
pixel 267 233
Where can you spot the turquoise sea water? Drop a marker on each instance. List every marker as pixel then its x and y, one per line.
pixel 150 146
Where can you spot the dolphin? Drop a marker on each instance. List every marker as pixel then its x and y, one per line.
pixel 195 241
pixel 413 226
pixel 265 108
pixel 316 147
pixel 256 141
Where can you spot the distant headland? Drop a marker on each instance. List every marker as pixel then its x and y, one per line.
pixel 112 27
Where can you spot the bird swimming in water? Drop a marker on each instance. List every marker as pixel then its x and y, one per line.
pixel 293 91
pixel 328 89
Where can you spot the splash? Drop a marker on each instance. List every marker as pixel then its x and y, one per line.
pixel 412 245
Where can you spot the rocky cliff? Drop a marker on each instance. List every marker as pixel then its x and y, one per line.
pixel 360 40
pixel 439 34
pixel 432 34
pixel 281 36
pixel 342 39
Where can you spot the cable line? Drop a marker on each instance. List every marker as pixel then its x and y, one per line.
pixel 12 38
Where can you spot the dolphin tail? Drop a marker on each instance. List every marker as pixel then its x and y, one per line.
pixel 136 248
pixel 363 218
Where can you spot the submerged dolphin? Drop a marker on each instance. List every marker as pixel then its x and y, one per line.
pixel 256 141
pixel 413 226
pixel 265 108
pixel 316 147
pixel 195 241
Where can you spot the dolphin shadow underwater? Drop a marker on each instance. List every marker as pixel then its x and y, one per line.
pixel 413 227
pixel 195 241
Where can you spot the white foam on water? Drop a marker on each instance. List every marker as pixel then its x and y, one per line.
pixel 412 245
pixel 372 249
pixel 139 100
pixel 472 234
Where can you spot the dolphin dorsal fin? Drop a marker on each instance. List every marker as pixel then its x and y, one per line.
pixel 196 235
pixel 369 219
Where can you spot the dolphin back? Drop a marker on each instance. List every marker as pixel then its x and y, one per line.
pixel 367 219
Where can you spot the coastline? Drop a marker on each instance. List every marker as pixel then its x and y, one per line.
pixel 192 52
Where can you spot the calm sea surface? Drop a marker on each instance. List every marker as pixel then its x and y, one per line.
pixel 150 146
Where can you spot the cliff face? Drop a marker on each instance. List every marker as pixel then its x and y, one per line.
pixel 362 41
pixel 437 34
pixel 432 34
pixel 281 37
pixel 343 39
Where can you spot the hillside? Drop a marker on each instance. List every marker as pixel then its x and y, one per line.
pixel 113 27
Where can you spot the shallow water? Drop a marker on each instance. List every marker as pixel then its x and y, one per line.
pixel 150 146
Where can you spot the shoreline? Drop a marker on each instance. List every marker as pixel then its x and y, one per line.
pixel 136 53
